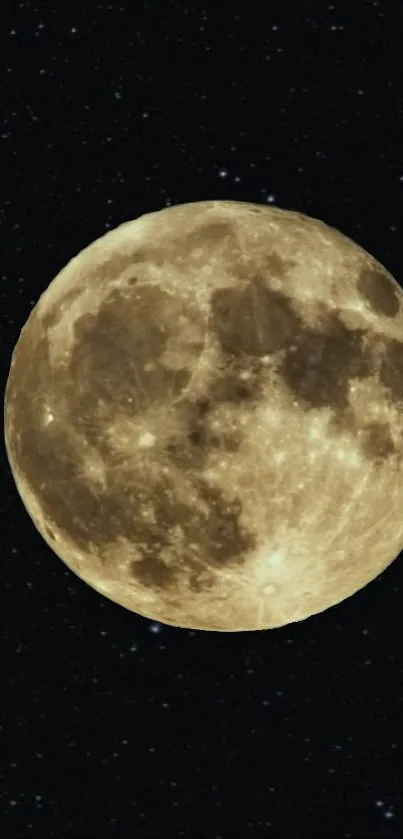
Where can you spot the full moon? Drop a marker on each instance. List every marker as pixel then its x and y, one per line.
pixel 204 416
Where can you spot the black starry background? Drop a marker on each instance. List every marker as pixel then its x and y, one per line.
pixel 113 725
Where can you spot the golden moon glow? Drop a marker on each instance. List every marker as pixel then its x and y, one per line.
pixel 204 416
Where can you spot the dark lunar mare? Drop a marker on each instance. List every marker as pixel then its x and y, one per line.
pixel 317 366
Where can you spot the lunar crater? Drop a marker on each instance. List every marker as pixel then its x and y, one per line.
pixel 378 291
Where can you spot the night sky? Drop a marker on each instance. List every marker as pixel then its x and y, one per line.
pixel 112 725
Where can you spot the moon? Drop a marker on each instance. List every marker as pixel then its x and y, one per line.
pixel 204 416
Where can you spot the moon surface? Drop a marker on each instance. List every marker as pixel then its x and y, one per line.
pixel 204 416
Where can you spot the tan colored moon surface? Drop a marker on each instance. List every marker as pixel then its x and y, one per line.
pixel 204 416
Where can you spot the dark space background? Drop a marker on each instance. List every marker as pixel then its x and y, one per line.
pixel 112 725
